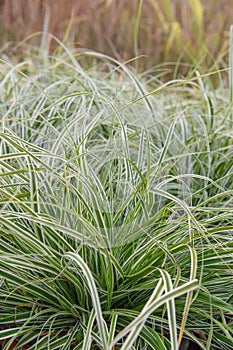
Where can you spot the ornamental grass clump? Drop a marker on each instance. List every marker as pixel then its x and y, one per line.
pixel 116 208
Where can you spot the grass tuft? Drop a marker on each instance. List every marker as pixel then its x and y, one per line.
pixel 116 207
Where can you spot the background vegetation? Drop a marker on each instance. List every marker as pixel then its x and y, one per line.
pixel 191 31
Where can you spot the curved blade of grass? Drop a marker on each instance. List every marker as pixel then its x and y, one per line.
pixel 188 302
pixel 171 309
pixel 94 295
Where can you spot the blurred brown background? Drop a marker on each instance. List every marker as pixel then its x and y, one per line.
pixel 169 30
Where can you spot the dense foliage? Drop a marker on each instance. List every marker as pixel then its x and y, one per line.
pixel 116 207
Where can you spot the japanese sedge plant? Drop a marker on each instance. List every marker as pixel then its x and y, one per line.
pixel 116 208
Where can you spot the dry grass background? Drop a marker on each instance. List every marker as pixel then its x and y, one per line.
pixel 170 30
